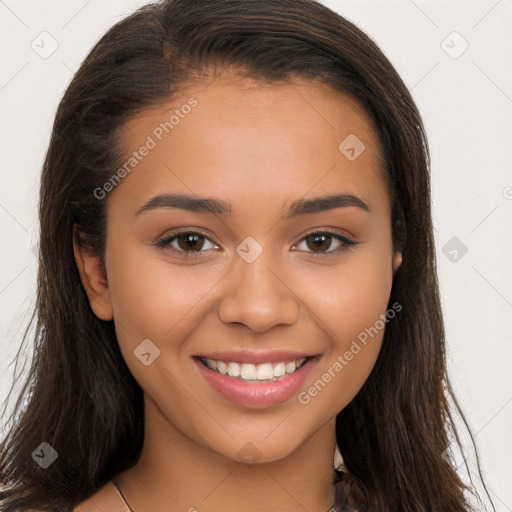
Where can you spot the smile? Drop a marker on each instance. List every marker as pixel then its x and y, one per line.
pixel 249 372
pixel 255 384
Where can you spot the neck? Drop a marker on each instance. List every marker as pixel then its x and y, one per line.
pixel 174 471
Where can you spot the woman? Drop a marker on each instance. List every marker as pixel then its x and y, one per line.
pixel 237 276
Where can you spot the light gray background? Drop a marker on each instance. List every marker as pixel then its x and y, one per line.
pixel 465 98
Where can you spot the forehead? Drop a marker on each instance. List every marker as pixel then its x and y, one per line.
pixel 235 133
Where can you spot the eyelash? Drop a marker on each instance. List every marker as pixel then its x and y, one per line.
pixel 165 243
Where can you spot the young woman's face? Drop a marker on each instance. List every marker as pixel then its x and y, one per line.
pixel 259 282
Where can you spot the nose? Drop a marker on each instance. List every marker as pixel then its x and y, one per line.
pixel 257 295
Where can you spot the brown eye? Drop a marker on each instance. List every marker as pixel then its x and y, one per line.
pixel 190 241
pixel 186 243
pixel 319 243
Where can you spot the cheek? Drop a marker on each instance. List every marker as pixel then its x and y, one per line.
pixel 350 296
pixel 348 303
pixel 152 298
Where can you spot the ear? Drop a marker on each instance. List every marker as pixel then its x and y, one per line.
pixel 94 281
pixel 397 261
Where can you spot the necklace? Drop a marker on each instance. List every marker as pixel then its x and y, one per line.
pixel 120 492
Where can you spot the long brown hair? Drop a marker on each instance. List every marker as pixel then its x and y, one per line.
pixel 80 397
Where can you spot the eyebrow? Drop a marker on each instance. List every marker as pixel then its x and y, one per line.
pixel 220 207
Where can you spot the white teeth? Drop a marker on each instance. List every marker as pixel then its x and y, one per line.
pixel 233 369
pixel 290 367
pixel 254 372
pixel 222 367
pixel 264 371
pixel 279 370
pixel 248 371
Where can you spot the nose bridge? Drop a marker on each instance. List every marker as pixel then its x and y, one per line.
pixel 255 294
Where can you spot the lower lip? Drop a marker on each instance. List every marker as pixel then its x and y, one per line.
pixel 255 394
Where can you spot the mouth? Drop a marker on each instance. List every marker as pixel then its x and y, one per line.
pixel 256 382
pixel 253 373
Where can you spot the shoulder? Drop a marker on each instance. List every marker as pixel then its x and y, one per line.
pixel 106 498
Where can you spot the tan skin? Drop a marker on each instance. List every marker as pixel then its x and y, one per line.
pixel 260 147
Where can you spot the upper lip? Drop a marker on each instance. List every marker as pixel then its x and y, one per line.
pixel 255 356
